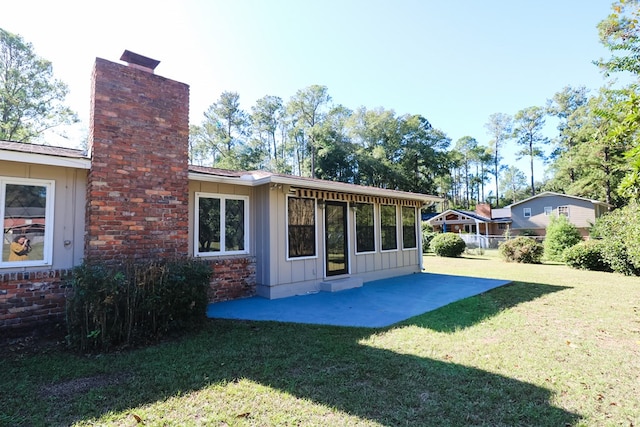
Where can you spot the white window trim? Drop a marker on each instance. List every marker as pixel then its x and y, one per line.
pixel 525 211
pixel 375 230
pixel 196 222
pixel 286 229
pixel 548 210
pixel 398 244
pixel 568 210
pixel 47 256
pixel 415 229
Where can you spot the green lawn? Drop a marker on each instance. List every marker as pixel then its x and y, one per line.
pixel 558 347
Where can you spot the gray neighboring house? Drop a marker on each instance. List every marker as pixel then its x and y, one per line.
pixel 536 212
pixel 484 225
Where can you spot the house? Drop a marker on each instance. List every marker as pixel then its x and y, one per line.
pixel 485 226
pixel 479 227
pixel 133 196
pixel 534 214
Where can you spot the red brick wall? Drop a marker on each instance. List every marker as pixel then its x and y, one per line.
pixel 232 278
pixel 29 300
pixel 137 192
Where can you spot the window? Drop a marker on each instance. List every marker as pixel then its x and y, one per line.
pixel 222 226
pixel 365 228
pixel 502 226
pixel 526 212
pixel 388 228
pixel 409 240
pixel 563 211
pixel 548 210
pixel 301 225
pixel 27 211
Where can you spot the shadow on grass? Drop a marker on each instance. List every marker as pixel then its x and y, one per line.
pixel 470 311
pixel 325 365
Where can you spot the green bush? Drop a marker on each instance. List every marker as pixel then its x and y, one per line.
pixel 586 255
pixel 620 234
pixel 561 235
pixel 136 302
pixel 448 245
pixel 427 235
pixel 521 249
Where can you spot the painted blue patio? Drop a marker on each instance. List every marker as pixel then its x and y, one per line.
pixel 378 303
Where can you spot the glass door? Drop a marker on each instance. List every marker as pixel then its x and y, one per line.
pixel 336 249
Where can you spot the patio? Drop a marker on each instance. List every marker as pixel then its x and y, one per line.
pixel 377 304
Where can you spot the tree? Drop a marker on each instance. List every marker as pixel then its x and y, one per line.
pixel 499 128
pixel 222 134
pixel 336 154
pixel 267 117
pixel 527 131
pixel 512 183
pixel 620 33
pixel 31 100
pixel 308 109
pixel 467 146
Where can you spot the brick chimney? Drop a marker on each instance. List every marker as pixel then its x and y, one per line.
pixel 138 189
pixel 484 209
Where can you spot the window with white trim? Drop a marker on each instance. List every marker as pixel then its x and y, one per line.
pixel 548 210
pixel 26 208
pixel 222 224
pixel 301 227
pixel 365 228
pixel 526 212
pixel 563 211
pixel 409 240
pixel 388 227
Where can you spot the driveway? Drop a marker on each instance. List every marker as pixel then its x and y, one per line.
pixel 376 304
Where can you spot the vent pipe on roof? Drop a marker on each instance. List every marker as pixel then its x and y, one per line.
pixel 140 62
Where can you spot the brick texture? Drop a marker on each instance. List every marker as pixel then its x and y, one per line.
pixel 232 278
pixel 29 300
pixel 137 192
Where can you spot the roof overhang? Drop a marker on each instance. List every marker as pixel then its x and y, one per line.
pixel 45 159
pixel 256 180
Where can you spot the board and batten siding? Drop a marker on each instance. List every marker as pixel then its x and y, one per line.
pixel 68 212
pixel 280 276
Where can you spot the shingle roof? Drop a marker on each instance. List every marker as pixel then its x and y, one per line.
pixel 24 147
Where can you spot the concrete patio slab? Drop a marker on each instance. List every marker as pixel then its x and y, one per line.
pixel 378 303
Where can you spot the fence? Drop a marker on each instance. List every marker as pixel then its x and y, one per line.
pixel 474 241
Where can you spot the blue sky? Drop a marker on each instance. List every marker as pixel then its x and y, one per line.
pixel 453 62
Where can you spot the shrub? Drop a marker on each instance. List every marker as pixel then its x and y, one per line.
pixel 448 245
pixel 427 235
pixel 561 235
pixel 521 249
pixel 619 231
pixel 586 256
pixel 121 305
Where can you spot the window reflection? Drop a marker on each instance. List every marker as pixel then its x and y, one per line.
pixel 25 224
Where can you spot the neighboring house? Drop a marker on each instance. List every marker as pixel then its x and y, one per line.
pixel 133 196
pixel 531 215
pixel 478 227
pixel 535 213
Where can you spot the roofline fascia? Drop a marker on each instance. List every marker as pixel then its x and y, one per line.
pixel 199 176
pixel 45 159
pixel 250 181
pixel 347 188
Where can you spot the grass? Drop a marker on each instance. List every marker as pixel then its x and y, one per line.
pixel 558 347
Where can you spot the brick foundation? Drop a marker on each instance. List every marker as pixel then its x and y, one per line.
pixel 32 300
pixel 232 278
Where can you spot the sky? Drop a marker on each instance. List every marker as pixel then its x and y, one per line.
pixel 453 62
